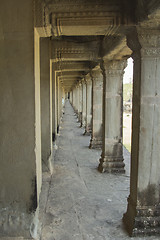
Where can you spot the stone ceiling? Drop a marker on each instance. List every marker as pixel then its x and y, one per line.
pixel 85 31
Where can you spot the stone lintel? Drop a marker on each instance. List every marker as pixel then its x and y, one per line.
pixel 67 66
pixel 44 31
pixel 70 51
pixel 86 25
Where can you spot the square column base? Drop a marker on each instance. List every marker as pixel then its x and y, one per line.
pixel 111 165
pixel 142 221
pixel 95 143
pixel 80 117
pixel 88 131
pixel 83 125
pixel 16 223
pixel 76 112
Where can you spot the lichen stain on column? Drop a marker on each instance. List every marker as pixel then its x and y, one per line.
pixel 33 199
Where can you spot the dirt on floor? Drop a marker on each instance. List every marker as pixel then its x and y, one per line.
pixel 78 202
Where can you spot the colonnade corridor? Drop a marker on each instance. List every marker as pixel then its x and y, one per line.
pixel 77 202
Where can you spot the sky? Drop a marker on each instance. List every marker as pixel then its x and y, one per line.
pixel 128 75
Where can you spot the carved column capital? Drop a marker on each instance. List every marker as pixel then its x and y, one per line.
pixel 150 42
pixel 149 37
pixel 114 67
pixel 96 71
pixel 84 81
pixel 96 74
pixel 144 42
pixel 77 85
pixel 80 83
pixel 88 78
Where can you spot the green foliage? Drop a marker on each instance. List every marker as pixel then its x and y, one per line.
pixel 127 91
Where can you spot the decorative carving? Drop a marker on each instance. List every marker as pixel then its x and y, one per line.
pixel 115 67
pixel 104 17
pixel 67 24
pixel 83 5
pixel 72 53
pixel 151 52
pixel 84 81
pixel 149 38
pixel 96 73
pixel 145 42
pixel 88 78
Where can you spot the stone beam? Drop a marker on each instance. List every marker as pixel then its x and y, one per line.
pixel 64 50
pixel 71 73
pixel 72 66
pixel 115 48
pixel 146 9
pixel 79 18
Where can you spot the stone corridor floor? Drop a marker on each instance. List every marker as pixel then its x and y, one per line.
pixel 78 202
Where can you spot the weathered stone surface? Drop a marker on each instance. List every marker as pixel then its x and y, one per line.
pixel 78 30
pixel 77 202
pixel 46 101
pixel 143 215
pixel 20 149
pixel 54 101
pixel 84 103
pixel 97 96
pixel 88 127
pixel 112 151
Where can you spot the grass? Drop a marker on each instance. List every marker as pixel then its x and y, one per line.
pixel 127 91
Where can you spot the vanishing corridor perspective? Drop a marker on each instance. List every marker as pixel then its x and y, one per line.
pixel 56 55
pixel 77 202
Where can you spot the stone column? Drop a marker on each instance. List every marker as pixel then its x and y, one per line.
pixel 112 151
pixel 83 103
pixel 74 98
pixel 20 129
pixel 97 90
pixel 143 212
pixel 71 97
pixel 80 103
pixel 54 103
pixel 46 85
pixel 88 128
pixel 77 100
pixel 60 101
pixel 57 101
